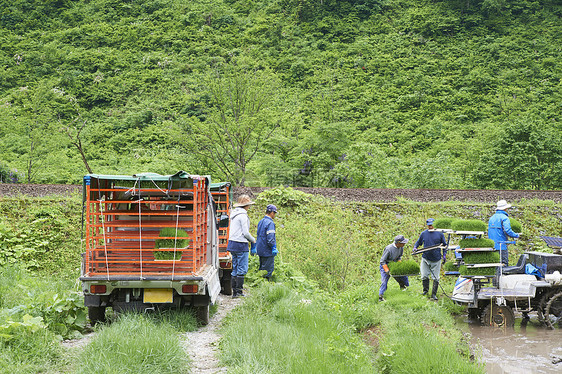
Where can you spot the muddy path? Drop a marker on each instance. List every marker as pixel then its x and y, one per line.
pixel 339 194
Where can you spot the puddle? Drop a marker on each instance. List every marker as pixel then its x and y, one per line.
pixel 526 348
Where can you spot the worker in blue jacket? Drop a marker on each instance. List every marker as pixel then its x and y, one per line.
pixel 499 228
pixel 266 245
pixel 431 260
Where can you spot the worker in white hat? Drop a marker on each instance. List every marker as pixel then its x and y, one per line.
pixel 499 228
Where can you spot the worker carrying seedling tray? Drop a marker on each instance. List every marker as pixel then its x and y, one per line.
pixel 393 252
pixel 431 259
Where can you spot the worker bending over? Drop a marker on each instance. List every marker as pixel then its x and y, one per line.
pixel 392 252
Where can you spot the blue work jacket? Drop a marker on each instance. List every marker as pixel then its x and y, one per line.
pixel 265 237
pixel 429 239
pixel 499 228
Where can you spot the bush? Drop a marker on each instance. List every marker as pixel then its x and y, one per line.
pixel 476 243
pixel 468 225
pixel 443 223
pixel 515 225
pixel 284 196
pixel 404 268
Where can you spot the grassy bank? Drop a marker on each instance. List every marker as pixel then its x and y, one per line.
pixel 322 317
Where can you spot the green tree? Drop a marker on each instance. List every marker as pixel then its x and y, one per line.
pixel 526 154
pixel 237 114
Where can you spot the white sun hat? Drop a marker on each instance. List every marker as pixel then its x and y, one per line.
pixel 503 205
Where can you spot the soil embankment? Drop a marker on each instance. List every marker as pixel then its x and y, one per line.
pixel 340 194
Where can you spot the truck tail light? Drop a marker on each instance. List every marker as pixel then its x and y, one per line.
pixel 189 288
pixel 97 288
pixel 224 264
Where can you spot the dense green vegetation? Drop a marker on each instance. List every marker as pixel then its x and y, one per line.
pixel 381 93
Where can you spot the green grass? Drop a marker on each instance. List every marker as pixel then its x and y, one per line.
pixel 278 330
pixel 134 344
pixel 404 267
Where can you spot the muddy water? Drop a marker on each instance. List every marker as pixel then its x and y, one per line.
pixel 526 348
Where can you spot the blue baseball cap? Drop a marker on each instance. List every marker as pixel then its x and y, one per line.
pixel 271 208
pixel 429 221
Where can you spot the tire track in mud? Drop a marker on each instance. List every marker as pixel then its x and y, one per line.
pixel 202 344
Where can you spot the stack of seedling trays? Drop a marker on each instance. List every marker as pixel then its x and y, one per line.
pixel 404 268
pixel 479 257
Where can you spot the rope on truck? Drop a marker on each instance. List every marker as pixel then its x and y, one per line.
pixel 100 202
pixel 140 223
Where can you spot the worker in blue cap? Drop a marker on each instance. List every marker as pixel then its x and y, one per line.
pixel 431 260
pixel 266 245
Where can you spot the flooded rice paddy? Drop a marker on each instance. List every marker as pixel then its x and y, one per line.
pixel 527 348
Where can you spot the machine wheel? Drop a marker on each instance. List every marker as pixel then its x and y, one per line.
pixel 202 314
pixel 96 314
pixel 542 304
pixel 498 316
pixel 553 311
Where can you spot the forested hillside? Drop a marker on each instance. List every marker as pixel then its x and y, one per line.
pixel 350 93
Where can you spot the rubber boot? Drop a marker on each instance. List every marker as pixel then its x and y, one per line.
pixel 425 283
pixel 240 284
pixel 234 282
pixel 434 290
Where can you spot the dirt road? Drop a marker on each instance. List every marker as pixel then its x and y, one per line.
pixel 202 345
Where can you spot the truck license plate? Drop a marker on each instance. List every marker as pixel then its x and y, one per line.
pixel 158 295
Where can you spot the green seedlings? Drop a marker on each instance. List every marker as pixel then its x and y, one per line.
pixel 404 268
pixel 443 223
pixel 171 239
pixel 468 225
pixel 476 243
pixel 515 225
pixel 464 270
pixel 479 257
pixel 450 266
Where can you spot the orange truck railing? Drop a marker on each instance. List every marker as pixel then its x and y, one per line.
pixel 123 223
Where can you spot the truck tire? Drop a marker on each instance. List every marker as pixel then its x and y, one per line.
pixel 96 314
pixel 553 311
pixel 498 316
pixel 202 314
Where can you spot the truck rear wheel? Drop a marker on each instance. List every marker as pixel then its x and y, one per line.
pixel 96 314
pixel 498 316
pixel 202 314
